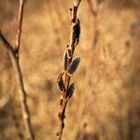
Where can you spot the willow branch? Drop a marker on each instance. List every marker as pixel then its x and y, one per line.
pixel 14 55
pixel 74 40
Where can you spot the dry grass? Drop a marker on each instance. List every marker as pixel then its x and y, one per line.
pixel 105 105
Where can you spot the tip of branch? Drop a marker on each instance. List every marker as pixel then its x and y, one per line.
pixel 73 11
pixel 77 3
pixel 73 14
pixel 22 1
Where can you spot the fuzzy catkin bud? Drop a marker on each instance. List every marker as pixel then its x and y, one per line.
pixel 70 90
pixel 65 60
pixel 73 66
pixel 60 82
pixel 75 33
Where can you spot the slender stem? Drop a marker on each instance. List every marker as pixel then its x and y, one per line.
pixel 71 47
pixel 20 19
pixel 23 99
pixel 65 101
pixel 62 122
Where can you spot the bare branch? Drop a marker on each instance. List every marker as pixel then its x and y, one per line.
pixel 6 42
pixel 14 55
pixel 23 99
pixel 19 28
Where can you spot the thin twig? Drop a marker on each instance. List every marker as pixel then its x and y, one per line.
pixel 6 42
pixel 14 55
pixel 23 99
pixel 74 40
pixel 20 19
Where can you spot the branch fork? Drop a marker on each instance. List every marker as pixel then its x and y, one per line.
pixel 14 55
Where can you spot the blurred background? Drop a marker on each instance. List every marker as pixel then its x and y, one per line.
pixel 105 105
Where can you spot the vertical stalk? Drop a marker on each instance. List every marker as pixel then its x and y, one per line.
pixel 74 40
pixel 20 19
pixel 23 99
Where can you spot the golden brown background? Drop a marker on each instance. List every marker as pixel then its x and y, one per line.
pixel 106 103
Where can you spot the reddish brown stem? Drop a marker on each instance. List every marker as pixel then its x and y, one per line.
pixel 64 103
pixel 19 28
pixel 71 47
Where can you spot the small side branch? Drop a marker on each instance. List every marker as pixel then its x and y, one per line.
pixel 6 42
